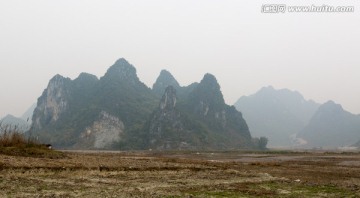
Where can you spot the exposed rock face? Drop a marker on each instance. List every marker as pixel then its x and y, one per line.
pixel 52 103
pixel 201 121
pixel 118 111
pixel 168 101
pixel 207 103
pixel 207 100
pixel 166 123
pixel 106 131
pixel 56 98
pixel 68 108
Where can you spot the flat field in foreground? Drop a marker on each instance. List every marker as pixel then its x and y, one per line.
pixel 182 174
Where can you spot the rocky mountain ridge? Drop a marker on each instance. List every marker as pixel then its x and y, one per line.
pixel 118 111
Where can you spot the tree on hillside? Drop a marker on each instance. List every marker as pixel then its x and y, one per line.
pixel 261 142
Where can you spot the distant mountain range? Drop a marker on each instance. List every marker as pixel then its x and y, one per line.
pixel 276 114
pixel 10 121
pixel 288 120
pixel 22 124
pixel 118 111
pixel 330 127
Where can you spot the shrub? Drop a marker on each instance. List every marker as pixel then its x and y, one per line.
pixel 260 143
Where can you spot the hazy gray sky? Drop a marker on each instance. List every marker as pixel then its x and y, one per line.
pixel 317 54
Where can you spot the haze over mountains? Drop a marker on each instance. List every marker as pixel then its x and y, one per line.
pixel 12 121
pixel 118 111
pixel 27 116
pixel 331 126
pixel 288 120
pixel 276 114
pixel 21 123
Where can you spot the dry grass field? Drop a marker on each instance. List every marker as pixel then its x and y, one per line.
pixel 182 174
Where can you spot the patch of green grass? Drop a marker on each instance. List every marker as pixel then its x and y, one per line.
pixel 328 190
pixel 289 189
pixel 275 189
pixel 32 151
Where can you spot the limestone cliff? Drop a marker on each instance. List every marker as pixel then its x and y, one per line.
pixel 118 111
pixel 167 128
pixel 207 104
pixel 52 103
pixel 88 112
pixel 105 131
pixel 200 120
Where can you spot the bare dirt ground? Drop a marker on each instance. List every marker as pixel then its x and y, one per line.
pixel 183 174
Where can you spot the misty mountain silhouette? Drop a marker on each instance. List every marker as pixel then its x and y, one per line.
pixel 118 111
pixel 276 114
pixel 330 127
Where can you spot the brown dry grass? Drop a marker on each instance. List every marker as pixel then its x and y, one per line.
pixel 14 142
pixel 182 174
pixel 10 136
